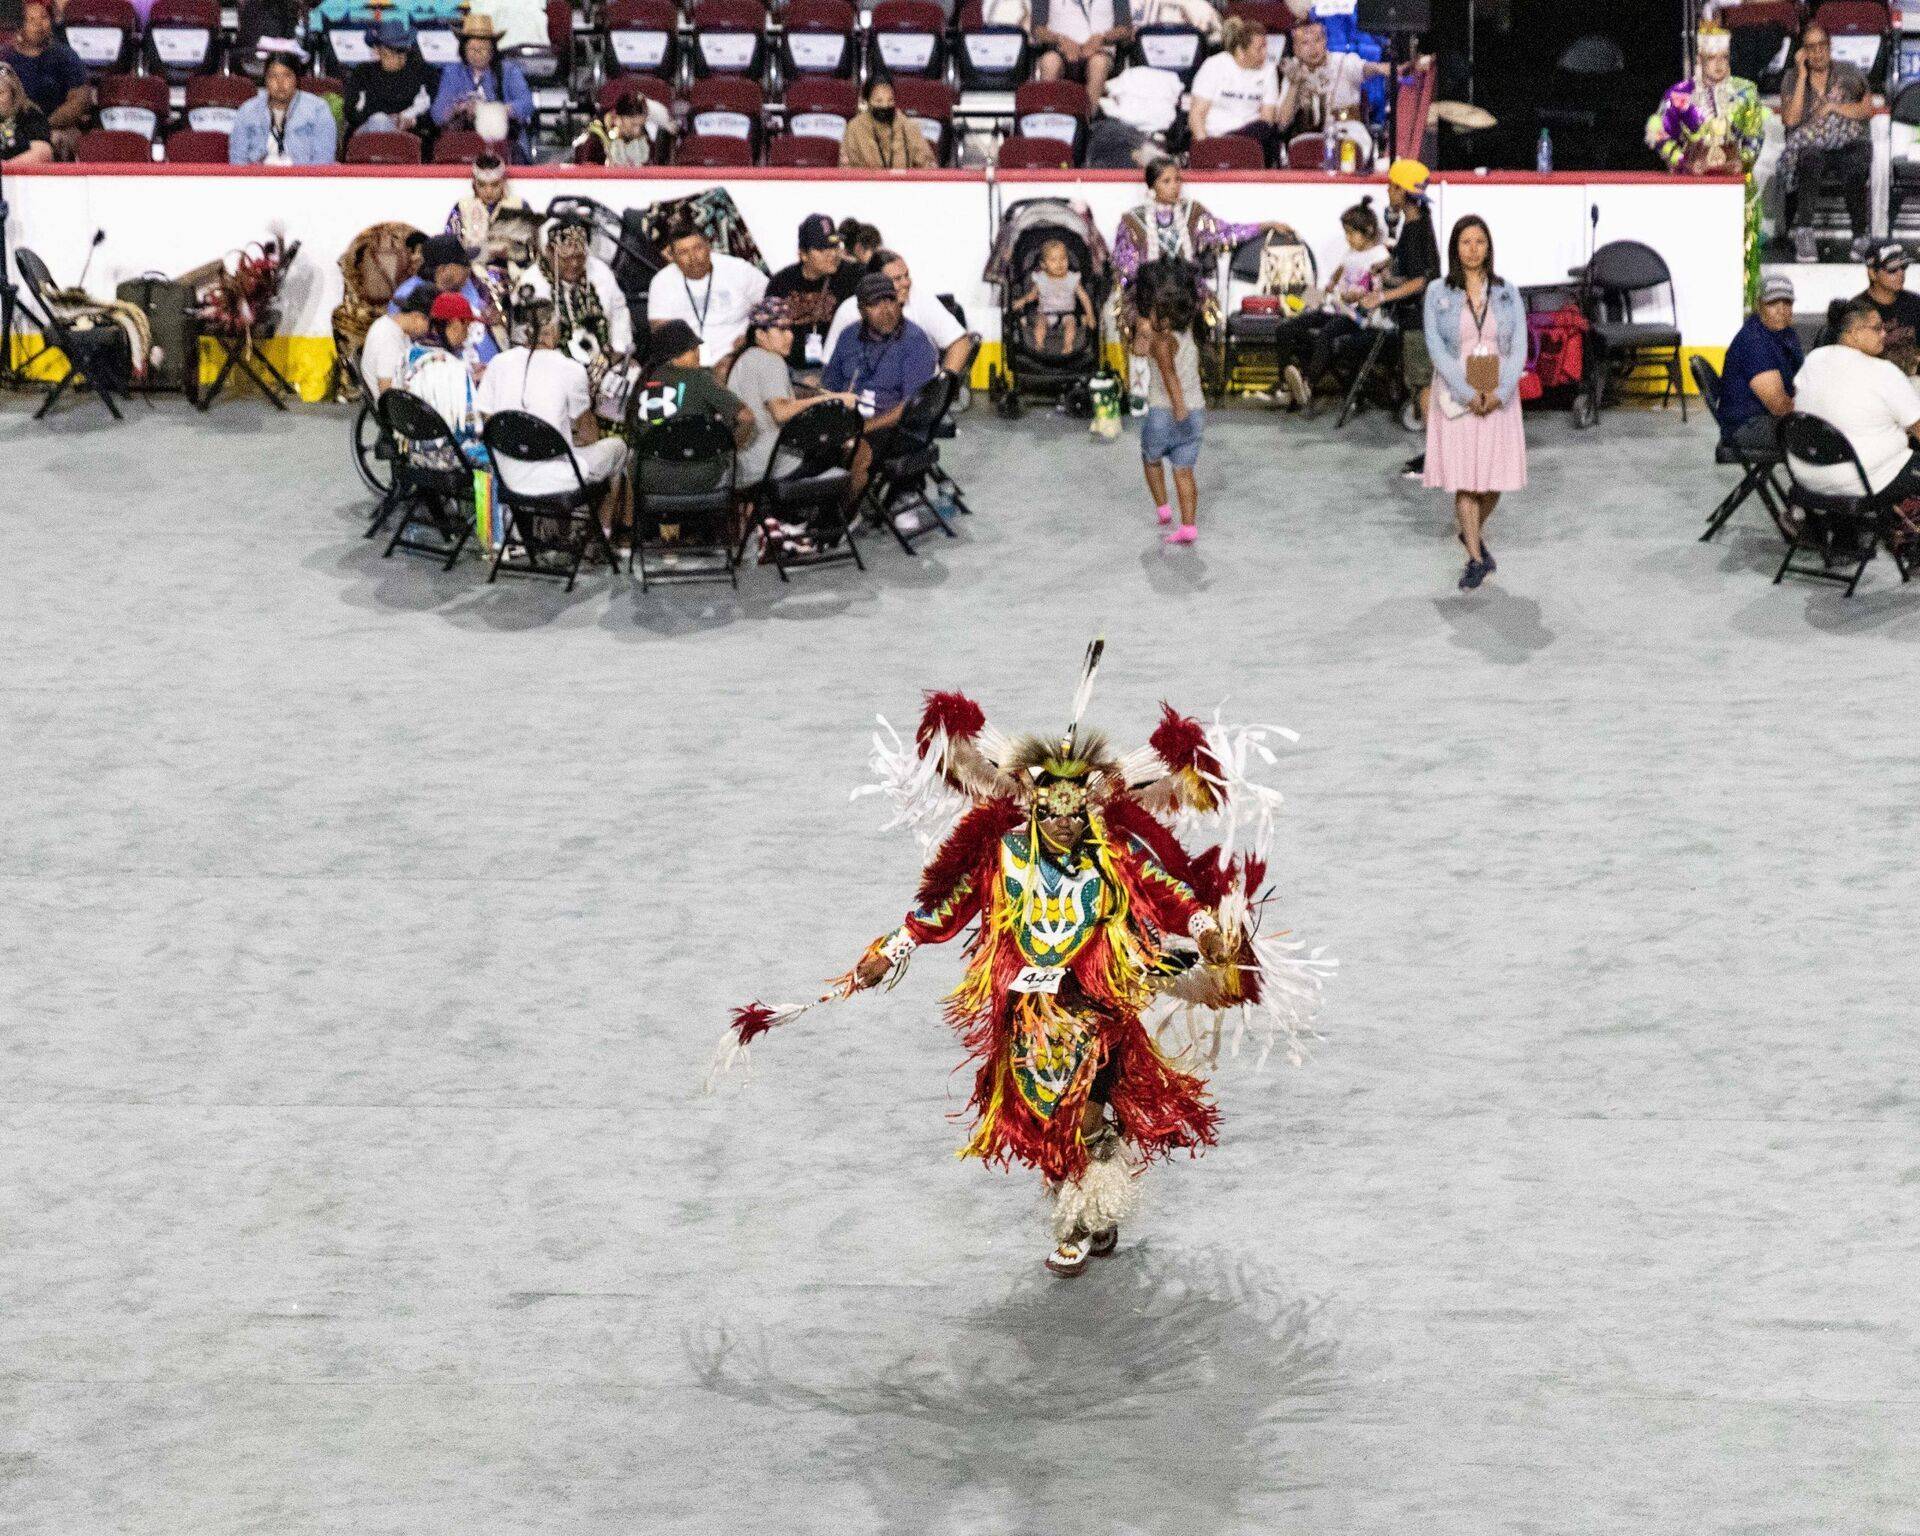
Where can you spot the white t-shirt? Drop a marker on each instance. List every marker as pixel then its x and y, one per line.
pixel 1078 20
pixel 1236 94
pixel 1337 83
pixel 923 309
pixel 1358 268
pixel 716 306
pixel 1870 401
pixel 381 355
pixel 543 383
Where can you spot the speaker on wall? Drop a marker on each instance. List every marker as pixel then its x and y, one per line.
pixel 1394 15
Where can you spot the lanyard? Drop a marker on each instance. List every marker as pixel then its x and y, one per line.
pixel 278 133
pixel 867 359
pixel 1479 315
pixel 699 311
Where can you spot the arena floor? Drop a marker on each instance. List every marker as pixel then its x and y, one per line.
pixel 367 931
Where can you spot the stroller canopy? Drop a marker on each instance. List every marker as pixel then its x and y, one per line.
pixel 1040 217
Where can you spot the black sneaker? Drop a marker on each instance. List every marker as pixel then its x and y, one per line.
pixel 1414 468
pixel 1472 576
pixel 1486 557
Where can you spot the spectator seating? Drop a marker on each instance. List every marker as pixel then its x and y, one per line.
pixel 96 356
pixel 104 34
pixel 548 68
pixel 1859 29
pixel 211 101
pixel 113 146
pixel 1758 464
pixel 1759 27
pixel 437 41
pixel 1905 133
pixel 729 38
pixel 908 37
pixel 196 146
pixel 1230 152
pixel 991 58
pixel 324 85
pixel 820 107
pixel 930 104
pixel 803 151
pixel 1305 151
pixel 818 39
pixel 725 106
pixel 713 153
pixel 183 38
pixel 1018 154
pixel 376 146
pixel 642 35
pixel 133 104
pixel 458 146
pixel 1052 109
pixel 1176 49
pixel 1275 15
pixel 1616 275
pixel 651 87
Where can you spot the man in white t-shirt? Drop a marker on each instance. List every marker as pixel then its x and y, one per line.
pixel 1872 404
pixel 950 338
pixel 1237 91
pixel 713 292
pixel 544 382
pixel 1320 87
pixel 390 337
pixel 1077 39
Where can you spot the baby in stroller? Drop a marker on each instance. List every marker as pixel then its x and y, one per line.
pixel 1058 299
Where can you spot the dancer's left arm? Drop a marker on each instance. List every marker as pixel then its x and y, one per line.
pixel 935 920
pixel 1173 907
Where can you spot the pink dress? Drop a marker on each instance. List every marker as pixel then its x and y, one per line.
pixel 1475 453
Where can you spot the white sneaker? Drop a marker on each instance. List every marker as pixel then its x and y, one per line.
pixel 1296 387
pixel 1803 247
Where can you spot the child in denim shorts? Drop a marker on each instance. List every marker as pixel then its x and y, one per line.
pixel 1176 420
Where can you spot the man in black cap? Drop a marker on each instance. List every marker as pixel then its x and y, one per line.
pixel 675 384
pixel 884 361
pixel 1899 310
pixel 444 268
pixel 814 287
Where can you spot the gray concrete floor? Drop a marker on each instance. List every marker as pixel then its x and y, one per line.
pixel 366 931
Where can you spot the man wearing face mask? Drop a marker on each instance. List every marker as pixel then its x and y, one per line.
pixel 879 138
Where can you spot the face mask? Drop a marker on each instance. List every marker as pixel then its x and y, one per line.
pixel 883 115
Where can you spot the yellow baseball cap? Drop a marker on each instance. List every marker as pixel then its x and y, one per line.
pixel 1408 175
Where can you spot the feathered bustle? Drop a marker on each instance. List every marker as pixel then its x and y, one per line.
pixel 1181 742
pixel 954 713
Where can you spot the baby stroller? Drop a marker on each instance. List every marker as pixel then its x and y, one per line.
pixel 1025 372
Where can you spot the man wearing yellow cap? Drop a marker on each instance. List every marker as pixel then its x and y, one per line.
pixel 1416 262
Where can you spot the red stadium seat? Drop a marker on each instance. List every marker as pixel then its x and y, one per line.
pixel 819 38
pixel 324 85
pixel 1275 15
pixel 182 37
pixel 798 150
pixel 820 107
pixel 1230 152
pixel 930 104
pixel 103 33
pixel 651 86
pixel 194 146
pixel 717 154
pixel 909 37
pixel 213 99
pixel 1017 154
pixel 643 36
pixel 1853 18
pixel 991 58
pixel 108 146
pixel 1784 14
pixel 729 37
pixel 374 146
pixel 133 104
pixel 1305 151
pixel 725 106
pixel 1052 109
pixel 458 146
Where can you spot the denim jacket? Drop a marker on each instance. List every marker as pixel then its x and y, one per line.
pixel 1504 307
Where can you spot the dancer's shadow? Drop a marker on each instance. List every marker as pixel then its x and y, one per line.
pixel 1501 627
pixel 1152 1389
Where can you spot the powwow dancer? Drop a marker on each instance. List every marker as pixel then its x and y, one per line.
pixel 1104 957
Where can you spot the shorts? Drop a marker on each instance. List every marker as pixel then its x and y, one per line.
pixel 1077 68
pixel 1416 367
pixel 1162 439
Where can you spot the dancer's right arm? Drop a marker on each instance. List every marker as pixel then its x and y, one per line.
pixel 932 922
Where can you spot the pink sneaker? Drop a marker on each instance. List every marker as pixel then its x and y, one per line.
pixel 1164 513
pixel 1186 533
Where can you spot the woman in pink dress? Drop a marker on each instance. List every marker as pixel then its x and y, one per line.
pixel 1476 327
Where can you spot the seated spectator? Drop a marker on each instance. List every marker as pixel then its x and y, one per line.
pixel 51 74
pixel 1335 331
pixel 471 219
pixel 24 136
pixel 860 242
pixel 924 309
pixel 1319 87
pixel 1237 91
pixel 711 291
pixel 439 372
pixel 1757 377
pixel 391 337
pixel 535 377
pixel 628 135
pixel 444 268
pixel 1079 39
pixel 813 288
pixel 268 26
pixel 595 323
pixel 675 384
pixel 479 76
pixel 884 360
pixel 393 90
pixel 1058 300
pixel 1825 108
pixel 1871 403
pixel 880 138
pixel 1198 14
pixel 283 125
pixel 760 378
pixel 1899 310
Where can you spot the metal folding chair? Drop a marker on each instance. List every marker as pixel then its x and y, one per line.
pixel 426 495
pixel 1843 529
pixel 541 523
pixel 807 501
pixel 1758 464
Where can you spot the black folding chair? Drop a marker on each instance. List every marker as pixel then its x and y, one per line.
pixel 371 445
pixel 906 461
pixel 1843 529
pixel 1611 283
pixel 560 524
pixel 1759 464
pixel 242 353
pixel 432 482
pixel 671 523
pixel 97 355
pixel 801 504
